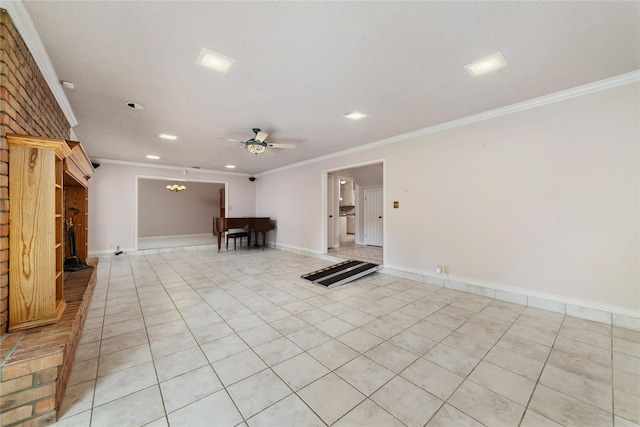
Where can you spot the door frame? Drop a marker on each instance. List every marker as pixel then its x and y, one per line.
pixel 331 213
pixel 171 179
pixel 325 214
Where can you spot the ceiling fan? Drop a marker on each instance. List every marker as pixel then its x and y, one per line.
pixel 258 145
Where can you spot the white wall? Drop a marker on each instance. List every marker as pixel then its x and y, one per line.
pixel 546 199
pixel 169 213
pixel 112 200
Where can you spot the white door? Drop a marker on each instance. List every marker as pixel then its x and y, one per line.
pixel 373 217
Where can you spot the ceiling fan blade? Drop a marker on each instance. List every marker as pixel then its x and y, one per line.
pixel 261 136
pixel 274 145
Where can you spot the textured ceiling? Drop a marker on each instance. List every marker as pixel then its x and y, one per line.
pixel 302 65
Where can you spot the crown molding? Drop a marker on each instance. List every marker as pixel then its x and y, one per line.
pixel 29 33
pixel 585 89
pixel 147 165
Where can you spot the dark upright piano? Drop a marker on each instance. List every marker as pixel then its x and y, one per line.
pixel 253 224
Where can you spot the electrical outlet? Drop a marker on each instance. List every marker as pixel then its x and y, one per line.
pixel 438 269
pixel 446 269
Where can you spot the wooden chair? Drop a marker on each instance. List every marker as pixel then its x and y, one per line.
pixel 237 234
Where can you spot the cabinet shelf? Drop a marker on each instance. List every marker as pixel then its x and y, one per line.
pixel 35 269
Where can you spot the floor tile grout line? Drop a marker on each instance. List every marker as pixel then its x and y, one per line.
pixel 535 386
pixel 153 359
pixel 104 315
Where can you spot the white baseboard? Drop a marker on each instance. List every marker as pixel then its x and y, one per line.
pixel 175 235
pixel 584 309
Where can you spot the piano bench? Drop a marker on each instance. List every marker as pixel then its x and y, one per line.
pixel 236 235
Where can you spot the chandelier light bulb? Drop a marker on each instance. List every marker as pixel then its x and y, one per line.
pixel 175 187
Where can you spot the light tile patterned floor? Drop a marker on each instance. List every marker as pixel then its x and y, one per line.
pixel 196 338
pixel 350 250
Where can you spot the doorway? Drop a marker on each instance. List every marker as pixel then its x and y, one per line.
pixel 345 226
pixel 169 219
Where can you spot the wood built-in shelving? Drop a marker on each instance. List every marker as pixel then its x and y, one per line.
pixel 38 181
pixel 59 198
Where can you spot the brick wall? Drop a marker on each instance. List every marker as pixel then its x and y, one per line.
pixel 28 108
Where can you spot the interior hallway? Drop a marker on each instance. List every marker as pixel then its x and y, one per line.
pixel 196 338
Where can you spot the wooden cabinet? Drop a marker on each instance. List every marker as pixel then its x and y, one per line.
pixel 38 188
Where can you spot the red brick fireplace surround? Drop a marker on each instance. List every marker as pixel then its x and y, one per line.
pixel 36 363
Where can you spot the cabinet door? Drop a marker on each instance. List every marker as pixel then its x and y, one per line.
pixel 35 231
pixel 32 212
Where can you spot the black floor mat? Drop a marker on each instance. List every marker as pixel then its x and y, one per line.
pixel 341 273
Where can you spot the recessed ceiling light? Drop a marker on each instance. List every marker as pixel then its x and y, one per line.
pixel 484 65
pixel 215 61
pixel 165 136
pixel 149 156
pixel 356 115
pixel 230 166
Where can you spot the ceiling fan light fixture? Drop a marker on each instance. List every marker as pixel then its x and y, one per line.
pixel 355 115
pixel 215 61
pixel 256 147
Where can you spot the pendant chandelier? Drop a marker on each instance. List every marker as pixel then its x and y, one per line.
pixel 175 187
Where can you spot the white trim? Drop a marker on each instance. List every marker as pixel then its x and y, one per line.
pixel 533 297
pixel 29 34
pixel 176 235
pixel 152 166
pixel 588 88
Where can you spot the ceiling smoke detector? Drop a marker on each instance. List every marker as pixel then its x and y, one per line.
pixel 134 105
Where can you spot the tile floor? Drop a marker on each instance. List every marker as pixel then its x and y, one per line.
pixel 350 250
pixel 196 338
